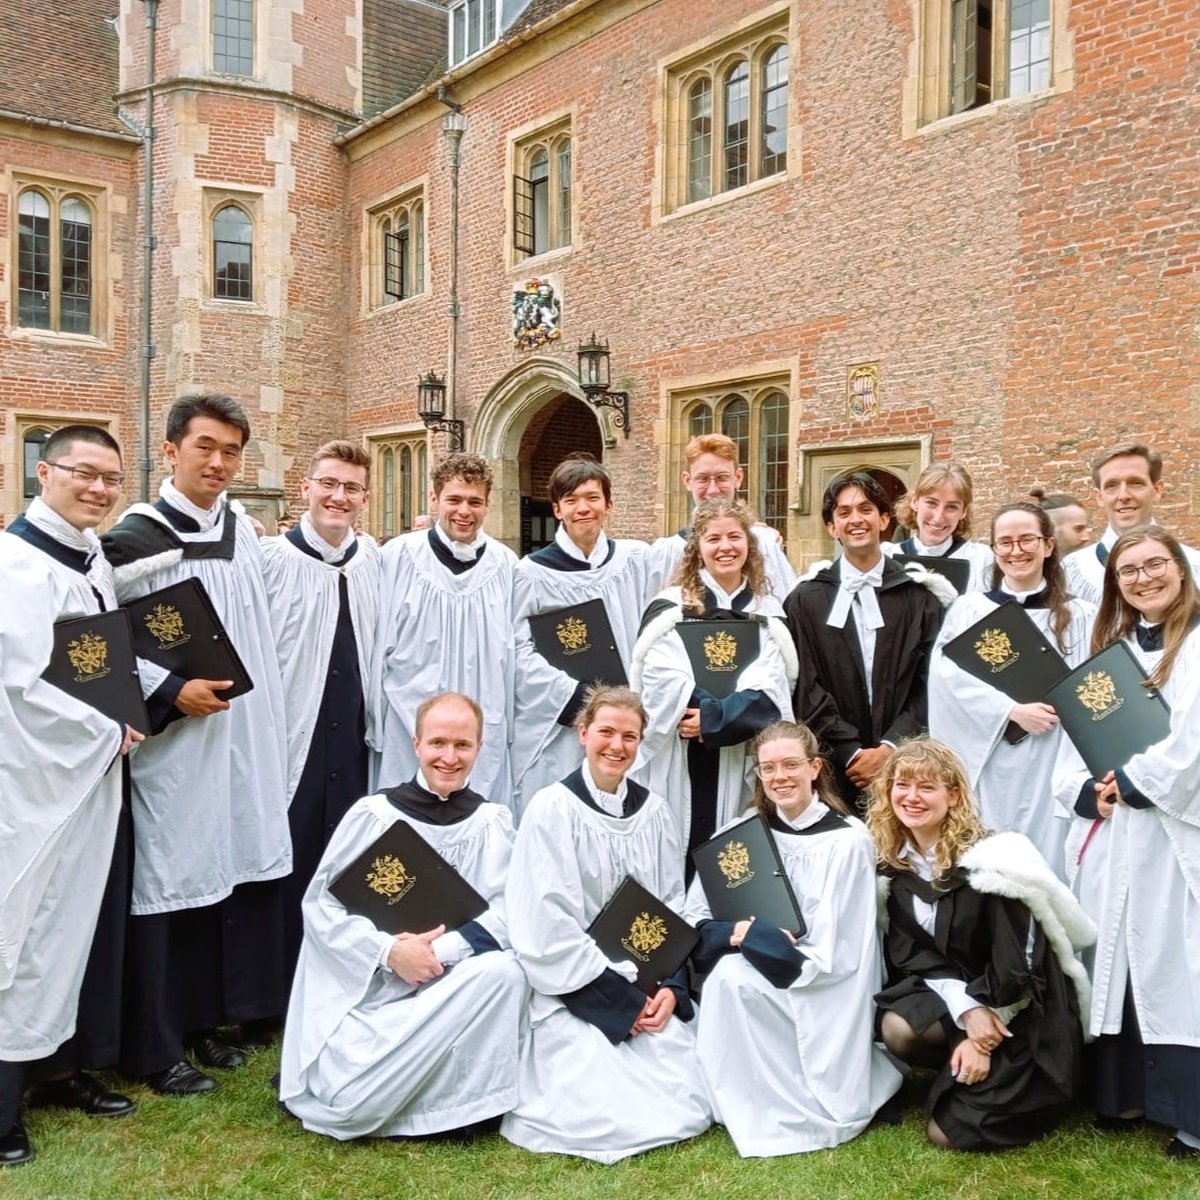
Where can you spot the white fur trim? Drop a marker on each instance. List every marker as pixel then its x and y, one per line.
pixel 939 585
pixel 1008 864
pixel 783 639
pixel 128 574
pixel 815 570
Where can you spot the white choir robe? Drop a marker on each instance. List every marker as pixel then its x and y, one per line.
pixel 1140 875
pixel 304 600
pixel 662 673
pixel 792 1069
pixel 1085 571
pixel 665 554
pixel 60 797
pixel 543 751
pixel 442 632
pixel 578 1093
pixel 980 557
pixel 210 793
pixel 366 1054
pixel 1014 784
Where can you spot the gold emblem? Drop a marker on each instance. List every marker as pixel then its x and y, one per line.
pixel 572 635
pixel 721 651
pixel 734 862
pixel 1098 694
pixel 646 934
pixel 88 654
pixel 996 650
pixel 388 877
pixel 165 621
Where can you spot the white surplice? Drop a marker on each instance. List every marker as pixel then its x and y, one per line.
pixel 543 750
pixel 366 1054
pixel 1140 877
pixel 662 672
pixel 796 1068
pixel 665 554
pixel 578 1093
pixel 443 632
pixel 980 557
pixel 60 797
pixel 1014 784
pixel 304 600
pixel 210 793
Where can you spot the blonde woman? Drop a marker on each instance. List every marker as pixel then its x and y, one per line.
pixel 983 984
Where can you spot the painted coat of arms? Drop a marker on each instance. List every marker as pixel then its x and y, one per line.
pixel 537 313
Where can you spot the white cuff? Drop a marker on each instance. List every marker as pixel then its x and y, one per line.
pixel 451 948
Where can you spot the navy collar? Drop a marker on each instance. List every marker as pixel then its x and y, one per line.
pixel 455 566
pixel 1036 600
pixel 296 537
pixel 830 821
pixel 1149 637
pixel 909 546
pixel 180 521
pixel 555 558
pixel 77 560
pixel 430 808
pixel 635 794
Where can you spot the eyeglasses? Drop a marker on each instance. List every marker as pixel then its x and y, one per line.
pixel 1026 542
pixel 786 766
pixel 1152 568
pixel 330 486
pixel 722 480
pixel 88 475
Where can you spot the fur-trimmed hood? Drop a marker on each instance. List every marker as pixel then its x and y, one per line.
pixel 939 585
pixel 128 573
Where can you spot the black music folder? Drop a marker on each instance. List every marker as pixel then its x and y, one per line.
pixel 1107 710
pixel 719 651
pixel 637 926
pixel 177 627
pixel 957 570
pixel 742 875
pixel 402 884
pixel 579 640
pixel 93 661
pixel 1006 649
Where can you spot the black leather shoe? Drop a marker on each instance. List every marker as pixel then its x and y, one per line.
pixel 181 1080
pixel 83 1092
pixel 258 1035
pixel 1178 1149
pixel 211 1051
pixel 15 1148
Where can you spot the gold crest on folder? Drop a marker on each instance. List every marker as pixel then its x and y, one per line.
pixel 721 651
pixel 1098 694
pixel 165 621
pixel 646 934
pixel 995 648
pixel 388 877
pixel 88 654
pixel 573 635
pixel 734 862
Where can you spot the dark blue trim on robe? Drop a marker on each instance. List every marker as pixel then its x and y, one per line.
pixel 1085 802
pixel 636 794
pixel 713 944
pixel 1149 637
pixel 555 558
pixel 478 938
pixel 772 953
pixel 454 565
pixel 1130 794
pixel 909 546
pixel 610 1002
pixel 1037 600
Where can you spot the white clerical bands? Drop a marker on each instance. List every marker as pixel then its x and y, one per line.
pixel 864 587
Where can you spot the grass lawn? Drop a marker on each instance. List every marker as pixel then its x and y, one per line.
pixel 237 1144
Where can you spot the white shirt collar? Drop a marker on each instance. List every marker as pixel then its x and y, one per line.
pixel 312 538
pixel 206 518
pixel 1024 595
pixel 921 865
pixel 463 551
pixel 874 575
pixel 612 803
pixel 1108 539
pixel 816 809
pixel 422 782
pixel 43 517
pixel 934 551
pixel 723 598
pixel 598 556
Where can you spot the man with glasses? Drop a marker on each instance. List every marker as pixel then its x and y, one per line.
pixel 713 473
pixel 322 582
pixel 60 785
pixel 1128 483
pixel 210 791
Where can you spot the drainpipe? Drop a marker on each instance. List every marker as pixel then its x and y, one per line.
pixel 148 245
pixel 454 125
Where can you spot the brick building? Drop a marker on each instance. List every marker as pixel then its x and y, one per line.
pixel 879 233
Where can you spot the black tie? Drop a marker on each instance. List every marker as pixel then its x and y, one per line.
pixel 1102 553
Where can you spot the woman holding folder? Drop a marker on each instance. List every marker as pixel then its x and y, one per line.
pixel 785 1033
pixel 714 664
pixel 1012 778
pixel 606 1071
pixel 1139 844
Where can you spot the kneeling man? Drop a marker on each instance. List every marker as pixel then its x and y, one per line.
pixel 413 1034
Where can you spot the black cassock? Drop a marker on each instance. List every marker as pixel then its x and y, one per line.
pixel 831 690
pixel 985 941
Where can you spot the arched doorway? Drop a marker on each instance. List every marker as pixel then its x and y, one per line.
pixel 563 428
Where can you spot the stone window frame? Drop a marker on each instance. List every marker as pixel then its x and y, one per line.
pixel 393 507
pixel 752 43
pixel 552 137
pixel 58 190
pixel 215 198
pixel 409 202
pixel 718 400
pixel 24 422
pixel 947 32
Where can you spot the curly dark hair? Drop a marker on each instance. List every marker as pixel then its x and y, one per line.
pixel 687 574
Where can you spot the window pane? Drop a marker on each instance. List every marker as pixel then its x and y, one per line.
pixel 75 304
pixel 474 39
pixel 422 478
pixel 699 135
pixel 418 248
pixel 406 487
pixel 773 143
pixel 32 444
pixel 564 193
pixel 459 50
pixel 404 254
pixel 539 178
pixel 233 36
pixel 1028 46
pixel 773 461
pixel 388 463
pixel 33 261
pixel 700 421
pixel 489 21
pixel 735 424
pixel 232 250
pixel 737 125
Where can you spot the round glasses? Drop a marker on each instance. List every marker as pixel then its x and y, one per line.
pixel 329 486
pixel 1026 543
pixel 1152 568
pixel 786 766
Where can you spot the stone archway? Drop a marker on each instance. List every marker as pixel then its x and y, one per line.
pixel 515 405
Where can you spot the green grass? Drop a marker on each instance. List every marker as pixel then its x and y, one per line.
pixel 237 1145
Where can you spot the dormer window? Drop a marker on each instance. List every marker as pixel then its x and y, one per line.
pixel 474 25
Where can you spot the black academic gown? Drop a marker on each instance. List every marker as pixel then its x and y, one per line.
pixel 831 692
pixel 982 940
